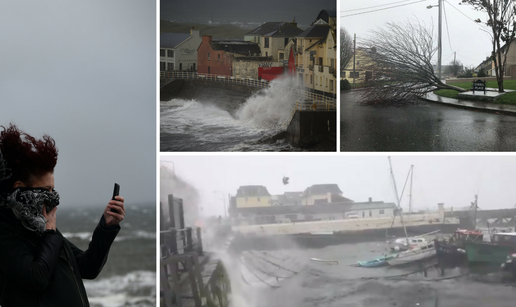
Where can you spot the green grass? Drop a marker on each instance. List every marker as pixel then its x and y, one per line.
pixel 508 98
pixel 447 93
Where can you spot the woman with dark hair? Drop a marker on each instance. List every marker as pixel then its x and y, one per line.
pixel 38 266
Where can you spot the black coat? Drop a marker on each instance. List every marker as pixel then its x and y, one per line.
pixel 48 270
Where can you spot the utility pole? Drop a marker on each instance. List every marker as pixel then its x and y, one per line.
pixel 354 54
pixel 439 57
pixel 439 43
pixel 411 181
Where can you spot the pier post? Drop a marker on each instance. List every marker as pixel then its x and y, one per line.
pixel 199 242
pixel 189 241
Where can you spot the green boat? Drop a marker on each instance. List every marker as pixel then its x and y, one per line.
pixel 495 252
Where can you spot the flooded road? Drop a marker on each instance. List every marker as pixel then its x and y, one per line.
pixel 288 278
pixel 422 126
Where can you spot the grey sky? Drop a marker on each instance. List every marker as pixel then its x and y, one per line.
pixel 452 180
pixel 84 72
pixel 225 11
pixel 465 37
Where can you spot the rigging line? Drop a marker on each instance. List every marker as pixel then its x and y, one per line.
pixel 481 24
pixel 383 9
pixel 277 265
pixel 447 29
pixel 375 6
pixel 263 281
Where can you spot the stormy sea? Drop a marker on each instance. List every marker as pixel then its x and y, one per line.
pixel 217 124
pixel 129 277
pixel 288 277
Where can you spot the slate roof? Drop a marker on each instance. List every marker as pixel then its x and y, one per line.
pixel 318 31
pixel 327 14
pixel 318 189
pixel 276 29
pixel 252 191
pixel 171 40
pixel 236 46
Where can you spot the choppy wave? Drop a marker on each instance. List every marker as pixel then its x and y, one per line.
pixel 135 289
pixel 192 125
pixel 271 108
pixel 132 235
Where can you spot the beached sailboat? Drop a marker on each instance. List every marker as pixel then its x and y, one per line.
pixel 380 261
pixel 416 254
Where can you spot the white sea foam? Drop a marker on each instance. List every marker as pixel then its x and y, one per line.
pixel 137 288
pixel 79 235
pixel 132 235
pixel 271 108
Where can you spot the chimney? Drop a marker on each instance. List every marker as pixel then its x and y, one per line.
pixel 440 207
pixel 370 199
pixel 206 38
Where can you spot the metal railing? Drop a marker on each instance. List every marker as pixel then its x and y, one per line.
pixel 212 77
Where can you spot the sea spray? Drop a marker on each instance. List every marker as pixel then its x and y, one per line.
pixel 272 108
pixel 171 184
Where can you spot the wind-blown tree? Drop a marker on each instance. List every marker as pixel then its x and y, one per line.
pixel 400 55
pixel 502 21
pixel 346 48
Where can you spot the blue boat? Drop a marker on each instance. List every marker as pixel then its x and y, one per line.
pixel 381 261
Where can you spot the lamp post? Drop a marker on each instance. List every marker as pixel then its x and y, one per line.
pixel 440 47
pixel 223 200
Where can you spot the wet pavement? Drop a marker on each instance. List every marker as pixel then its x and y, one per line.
pixel 422 126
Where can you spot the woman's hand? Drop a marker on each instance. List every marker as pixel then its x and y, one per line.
pixel 50 217
pixel 114 218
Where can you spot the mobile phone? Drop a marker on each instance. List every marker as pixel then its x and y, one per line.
pixel 116 191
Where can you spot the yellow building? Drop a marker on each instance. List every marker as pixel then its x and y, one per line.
pixel 322 193
pixel 364 68
pixel 316 54
pixel 252 196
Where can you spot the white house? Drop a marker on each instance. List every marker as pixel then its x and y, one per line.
pixel 178 51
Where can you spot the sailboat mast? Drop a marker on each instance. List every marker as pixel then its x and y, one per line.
pixel 411 180
pixel 398 199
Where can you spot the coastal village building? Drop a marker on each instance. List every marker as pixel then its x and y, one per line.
pixel 252 196
pixel 364 67
pixel 316 203
pixel 316 52
pixel 273 38
pixel 178 51
pixel 217 56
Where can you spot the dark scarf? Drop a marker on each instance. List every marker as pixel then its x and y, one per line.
pixel 27 203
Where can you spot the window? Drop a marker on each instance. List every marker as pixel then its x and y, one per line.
pixel 162 66
pixel 370 214
pixel 358 63
pixel 170 66
pixel 363 213
pixel 180 66
pixel 354 75
pixel 162 52
pixel 316 80
pixel 266 54
pixel 218 57
pixel 170 53
pixel 382 211
pixel 331 85
pixel 286 41
pixel 266 45
pixel 281 56
pixel 208 56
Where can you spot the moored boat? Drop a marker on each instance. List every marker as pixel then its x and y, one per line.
pixel 494 252
pixel 381 261
pixel 451 252
pixel 416 254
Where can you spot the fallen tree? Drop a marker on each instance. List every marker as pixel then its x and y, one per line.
pixel 399 62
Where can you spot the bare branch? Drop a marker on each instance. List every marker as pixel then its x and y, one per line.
pixel 400 57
